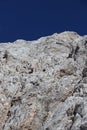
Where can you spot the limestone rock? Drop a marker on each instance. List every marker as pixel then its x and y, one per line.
pixel 43 83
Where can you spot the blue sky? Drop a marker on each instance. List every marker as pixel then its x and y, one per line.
pixel 31 19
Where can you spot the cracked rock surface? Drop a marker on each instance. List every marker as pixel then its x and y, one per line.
pixel 43 83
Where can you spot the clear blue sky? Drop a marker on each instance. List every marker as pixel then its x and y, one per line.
pixel 31 19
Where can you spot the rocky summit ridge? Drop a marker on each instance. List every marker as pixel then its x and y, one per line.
pixel 43 83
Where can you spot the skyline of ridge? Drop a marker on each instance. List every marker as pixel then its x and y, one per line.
pixel 30 20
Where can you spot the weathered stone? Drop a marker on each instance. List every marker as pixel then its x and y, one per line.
pixel 43 83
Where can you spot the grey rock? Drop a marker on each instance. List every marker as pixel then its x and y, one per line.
pixel 43 83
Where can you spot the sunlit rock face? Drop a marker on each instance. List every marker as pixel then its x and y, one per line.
pixel 43 83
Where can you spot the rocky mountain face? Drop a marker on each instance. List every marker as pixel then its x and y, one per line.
pixel 43 83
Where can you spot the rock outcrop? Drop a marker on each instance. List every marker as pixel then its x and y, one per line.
pixel 43 83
